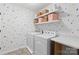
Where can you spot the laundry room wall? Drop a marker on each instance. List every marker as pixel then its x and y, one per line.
pixel 15 22
pixel 69 21
pixel 69 18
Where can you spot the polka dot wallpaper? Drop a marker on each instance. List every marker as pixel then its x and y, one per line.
pixel 15 22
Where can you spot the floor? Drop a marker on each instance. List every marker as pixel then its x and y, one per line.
pixel 22 51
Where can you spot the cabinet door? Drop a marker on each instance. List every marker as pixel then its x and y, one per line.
pixel 30 43
pixel 69 51
pixel 58 48
pixel 40 46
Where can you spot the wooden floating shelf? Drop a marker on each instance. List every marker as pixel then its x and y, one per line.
pixel 54 21
pixel 46 14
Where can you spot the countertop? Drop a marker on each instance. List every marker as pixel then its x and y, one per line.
pixel 65 38
pixel 69 40
pixel 45 36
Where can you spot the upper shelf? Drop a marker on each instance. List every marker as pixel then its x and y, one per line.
pixel 47 13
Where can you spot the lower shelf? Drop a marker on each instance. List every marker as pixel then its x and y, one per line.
pixel 54 21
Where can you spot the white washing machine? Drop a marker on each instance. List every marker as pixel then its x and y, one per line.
pixel 39 44
pixel 42 43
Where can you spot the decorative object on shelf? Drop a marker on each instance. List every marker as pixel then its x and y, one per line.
pixel 35 20
pixel 53 16
pixel 45 18
pixel 40 20
pixel 38 14
pixel 45 11
pixel 42 12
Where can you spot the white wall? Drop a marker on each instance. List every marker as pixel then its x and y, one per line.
pixel 15 22
pixel 69 22
pixel 69 18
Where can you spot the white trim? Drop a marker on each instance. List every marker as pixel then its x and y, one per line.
pixel 31 52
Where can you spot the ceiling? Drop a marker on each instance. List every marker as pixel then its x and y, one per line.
pixel 34 6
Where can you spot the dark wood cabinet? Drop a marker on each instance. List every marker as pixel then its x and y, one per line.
pixel 60 49
pixel 56 48
pixel 52 46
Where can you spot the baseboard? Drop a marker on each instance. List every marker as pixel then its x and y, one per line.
pixel 5 52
